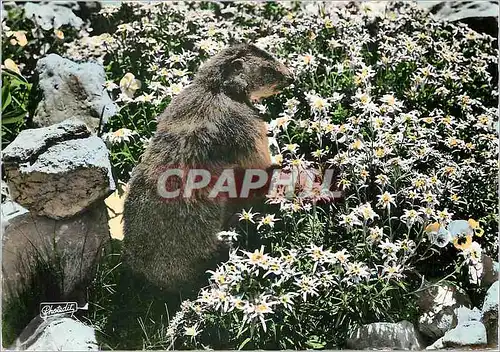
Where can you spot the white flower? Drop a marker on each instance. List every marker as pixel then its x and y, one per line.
pixel 287 300
pixel 191 331
pixel 247 215
pixel 350 220
pixel 341 256
pixel 393 271
pixel 385 200
pixel 473 253
pixel 317 103
pixel 388 249
pixel 268 220
pixel 118 136
pixel 259 309
pixel 411 216
pixel 174 89
pixel 219 276
pixel 376 234
pixel 227 236
pixel 308 286
pixel 262 108
pixel 357 271
pixel 110 85
pixel 258 258
pixel 366 212
pixel 290 147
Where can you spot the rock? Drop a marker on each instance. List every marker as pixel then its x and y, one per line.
pixel 471 334
pixel 58 171
pixel 401 336
pixel 72 90
pixel 10 210
pixel 50 15
pixel 465 315
pixel 68 248
pixel 490 314
pixel 438 304
pixel 490 271
pixel 59 333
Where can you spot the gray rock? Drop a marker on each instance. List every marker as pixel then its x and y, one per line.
pixel 490 271
pixel 9 209
pixel 33 142
pixel 490 314
pixel 69 248
pixel 50 15
pixel 400 336
pixel 58 171
pixel 471 334
pixel 437 305
pixel 465 315
pixel 480 15
pixel 458 10
pixel 60 333
pixel 72 90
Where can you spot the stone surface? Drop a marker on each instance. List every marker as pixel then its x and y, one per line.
pixel 480 15
pixel 72 90
pixel 490 314
pixel 401 336
pixel 48 14
pixel 471 334
pixel 58 171
pixel 437 305
pixel 60 333
pixel 72 246
pixel 490 271
pixel 465 315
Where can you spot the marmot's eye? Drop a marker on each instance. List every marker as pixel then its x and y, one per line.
pixel 269 73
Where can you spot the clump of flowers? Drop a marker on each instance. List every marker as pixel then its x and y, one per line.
pixel 400 105
pixel 410 136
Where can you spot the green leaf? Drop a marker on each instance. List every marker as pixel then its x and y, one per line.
pixel 16 77
pixel 14 119
pixel 6 98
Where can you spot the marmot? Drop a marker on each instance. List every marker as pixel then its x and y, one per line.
pixel 210 125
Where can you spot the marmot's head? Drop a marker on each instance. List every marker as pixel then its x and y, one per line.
pixel 245 71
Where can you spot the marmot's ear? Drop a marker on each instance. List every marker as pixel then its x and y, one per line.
pixel 237 65
pixel 233 68
pixel 235 81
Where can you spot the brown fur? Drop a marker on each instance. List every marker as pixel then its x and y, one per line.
pixel 212 125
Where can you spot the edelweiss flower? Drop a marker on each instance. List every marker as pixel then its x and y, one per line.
pixel 191 331
pixel 367 212
pixel 118 136
pixel 258 258
pixel 268 220
pixel 393 271
pixel 247 215
pixel 385 200
pixel 388 249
